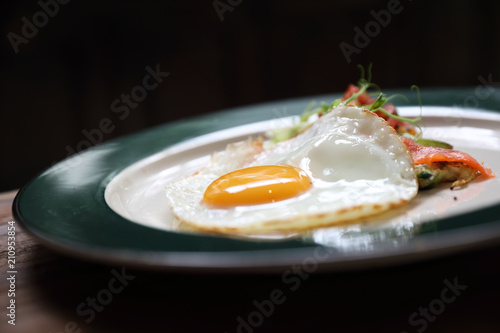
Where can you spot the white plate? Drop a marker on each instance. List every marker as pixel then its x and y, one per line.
pixel 137 192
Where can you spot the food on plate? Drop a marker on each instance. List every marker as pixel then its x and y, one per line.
pixel 340 163
pixel 346 165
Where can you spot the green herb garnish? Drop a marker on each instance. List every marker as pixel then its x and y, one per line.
pixel 364 85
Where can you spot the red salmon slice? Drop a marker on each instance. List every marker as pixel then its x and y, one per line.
pixel 427 155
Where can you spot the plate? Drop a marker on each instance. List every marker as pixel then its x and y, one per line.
pixel 107 203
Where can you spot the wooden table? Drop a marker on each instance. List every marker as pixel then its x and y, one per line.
pixel 55 294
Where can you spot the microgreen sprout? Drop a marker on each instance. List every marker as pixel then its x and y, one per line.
pixel 363 85
pixel 381 100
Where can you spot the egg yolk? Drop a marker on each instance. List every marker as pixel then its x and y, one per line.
pixel 256 185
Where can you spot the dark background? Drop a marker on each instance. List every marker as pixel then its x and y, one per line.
pixel 65 78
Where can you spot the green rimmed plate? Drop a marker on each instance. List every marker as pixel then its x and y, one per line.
pixel 105 203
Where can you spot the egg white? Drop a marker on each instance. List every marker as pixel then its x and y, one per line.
pixel 357 165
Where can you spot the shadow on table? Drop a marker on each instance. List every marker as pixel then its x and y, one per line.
pixel 458 293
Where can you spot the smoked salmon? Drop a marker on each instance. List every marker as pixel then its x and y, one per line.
pixel 427 155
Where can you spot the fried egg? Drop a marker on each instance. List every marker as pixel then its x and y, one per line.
pixel 347 165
